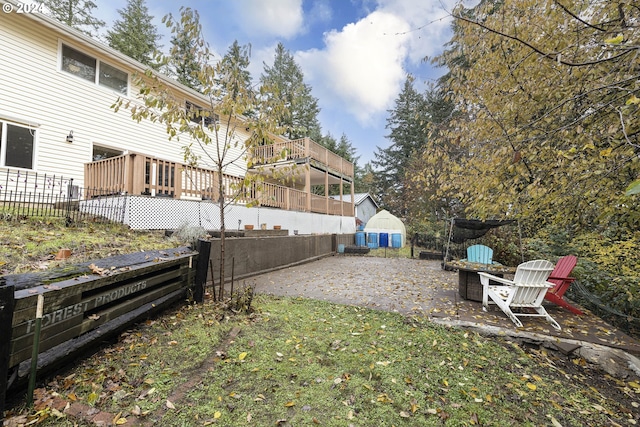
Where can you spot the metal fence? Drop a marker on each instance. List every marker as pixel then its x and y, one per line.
pixel 25 194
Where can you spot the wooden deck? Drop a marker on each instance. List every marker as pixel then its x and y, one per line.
pixel 141 174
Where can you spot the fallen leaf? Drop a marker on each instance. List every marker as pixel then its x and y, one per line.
pixel 91 399
pixel 97 270
pixel 615 40
pixel 555 422
pixel 170 405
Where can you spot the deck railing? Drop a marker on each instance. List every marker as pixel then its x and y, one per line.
pixel 139 174
pixel 299 149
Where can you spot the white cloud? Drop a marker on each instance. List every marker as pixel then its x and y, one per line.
pixel 259 57
pixel 429 24
pixel 361 66
pixel 320 12
pixel 272 18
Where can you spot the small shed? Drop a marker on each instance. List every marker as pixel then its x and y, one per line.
pixel 386 224
pixel 364 204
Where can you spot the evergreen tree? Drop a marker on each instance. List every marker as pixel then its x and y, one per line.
pixel 407 125
pixel 185 54
pixel 421 185
pixel 285 81
pixel 348 152
pixel 234 67
pixel 365 180
pixel 135 35
pixel 344 149
pixel 76 14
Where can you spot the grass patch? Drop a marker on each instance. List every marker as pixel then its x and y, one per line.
pixel 302 362
pixel 32 243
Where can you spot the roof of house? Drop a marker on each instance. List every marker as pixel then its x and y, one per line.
pixel 358 198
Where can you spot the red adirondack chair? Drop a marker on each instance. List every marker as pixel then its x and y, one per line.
pixel 561 279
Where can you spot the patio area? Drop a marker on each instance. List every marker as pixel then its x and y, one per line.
pixel 422 288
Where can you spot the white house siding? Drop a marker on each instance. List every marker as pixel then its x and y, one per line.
pixel 33 89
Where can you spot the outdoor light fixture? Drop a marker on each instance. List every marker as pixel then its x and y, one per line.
pixel 70 136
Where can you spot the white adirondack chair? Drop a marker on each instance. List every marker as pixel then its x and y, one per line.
pixel 525 291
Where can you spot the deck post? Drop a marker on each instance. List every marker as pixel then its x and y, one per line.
pixel 138 174
pixel 128 173
pixel 176 169
pixel 352 210
pixel 287 198
pixel 326 190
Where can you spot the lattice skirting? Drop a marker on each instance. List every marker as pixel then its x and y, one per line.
pixel 159 213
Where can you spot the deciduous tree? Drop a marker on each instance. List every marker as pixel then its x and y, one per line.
pixel 221 131
pixel 548 121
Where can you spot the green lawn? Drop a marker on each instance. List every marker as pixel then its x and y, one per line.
pixel 303 362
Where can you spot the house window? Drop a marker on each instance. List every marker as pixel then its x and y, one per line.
pixel 197 114
pixel 101 153
pixel 17 145
pixel 78 64
pixel 113 78
pixel 93 70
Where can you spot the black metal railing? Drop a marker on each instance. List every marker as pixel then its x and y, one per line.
pixel 25 194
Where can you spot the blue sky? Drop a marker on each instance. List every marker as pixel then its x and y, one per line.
pixel 355 54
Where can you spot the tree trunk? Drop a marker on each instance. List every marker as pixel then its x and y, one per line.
pixel 222 233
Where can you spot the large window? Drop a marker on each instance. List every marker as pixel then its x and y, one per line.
pixel 17 144
pixel 89 68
